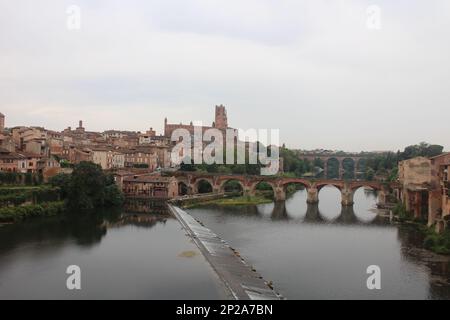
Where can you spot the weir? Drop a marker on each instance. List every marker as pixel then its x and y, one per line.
pixel 241 280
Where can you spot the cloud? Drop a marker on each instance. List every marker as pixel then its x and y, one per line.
pixel 310 68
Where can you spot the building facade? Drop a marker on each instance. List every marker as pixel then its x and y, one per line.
pixel 424 189
pixel 151 186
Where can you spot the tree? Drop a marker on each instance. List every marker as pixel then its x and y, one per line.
pixel 422 149
pixel 187 166
pixel 90 188
pixel 113 196
pixel 62 181
pixel 319 163
pixel 370 174
pixel 28 178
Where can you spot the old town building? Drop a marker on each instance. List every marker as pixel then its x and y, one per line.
pixel 75 154
pixel 148 156
pixel 10 161
pixel 141 157
pixel 424 188
pixel 6 142
pixel 151 186
pixel 23 135
pixel 440 204
pixel 147 137
pixel 108 159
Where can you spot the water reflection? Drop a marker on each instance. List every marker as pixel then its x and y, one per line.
pixel 327 211
pixel 322 251
pixel 121 255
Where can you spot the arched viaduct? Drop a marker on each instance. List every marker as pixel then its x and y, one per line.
pixel 191 180
pixel 354 160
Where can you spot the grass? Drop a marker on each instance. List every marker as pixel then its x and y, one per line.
pixel 236 201
pixel 15 214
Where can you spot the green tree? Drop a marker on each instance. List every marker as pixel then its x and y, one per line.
pixel 370 174
pixel 62 181
pixel 113 196
pixel 90 188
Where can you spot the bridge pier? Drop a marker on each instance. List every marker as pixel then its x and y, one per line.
pixel 381 198
pixel 191 189
pixel 313 195
pixel 279 194
pixel 249 192
pixel 347 196
pixel 279 211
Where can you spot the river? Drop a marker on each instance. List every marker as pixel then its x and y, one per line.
pixel 121 256
pixel 323 251
pixel 308 251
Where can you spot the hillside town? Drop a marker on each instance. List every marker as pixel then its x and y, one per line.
pixel 38 150
pixel 137 159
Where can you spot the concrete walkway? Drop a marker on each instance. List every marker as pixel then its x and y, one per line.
pixel 243 282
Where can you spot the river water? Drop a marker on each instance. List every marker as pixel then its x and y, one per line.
pixel 323 251
pixel 121 256
pixel 309 252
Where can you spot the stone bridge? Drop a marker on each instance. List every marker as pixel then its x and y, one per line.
pixel 190 183
pixel 354 160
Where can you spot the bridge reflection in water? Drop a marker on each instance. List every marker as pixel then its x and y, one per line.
pixel 296 209
pixel 279 211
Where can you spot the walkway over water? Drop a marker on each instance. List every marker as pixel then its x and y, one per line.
pixel 243 282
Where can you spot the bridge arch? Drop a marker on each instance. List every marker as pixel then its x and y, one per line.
pixel 364 202
pixel 262 186
pixel 333 168
pixel 285 183
pixel 297 181
pixel 336 184
pixel 203 185
pixel 348 168
pixel 229 185
pixel 183 188
pixel 366 184
pixel 329 197
pixel 361 167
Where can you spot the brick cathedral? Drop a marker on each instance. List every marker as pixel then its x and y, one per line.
pixel 221 123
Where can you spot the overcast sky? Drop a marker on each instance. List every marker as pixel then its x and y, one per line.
pixel 312 69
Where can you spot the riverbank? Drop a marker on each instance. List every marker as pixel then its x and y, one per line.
pixel 20 213
pixel 231 201
pixel 438 243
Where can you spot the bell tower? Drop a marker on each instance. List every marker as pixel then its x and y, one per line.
pixel 221 118
pixel 2 122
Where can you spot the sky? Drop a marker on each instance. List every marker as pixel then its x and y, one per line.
pixel 327 74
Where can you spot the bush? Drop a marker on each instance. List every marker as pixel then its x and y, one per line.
pixel 438 243
pixel 14 214
pixel 429 242
pixel 61 181
pixel 113 196
pixel 19 195
pixel 89 188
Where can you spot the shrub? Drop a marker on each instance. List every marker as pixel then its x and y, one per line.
pixel 400 211
pixel 14 214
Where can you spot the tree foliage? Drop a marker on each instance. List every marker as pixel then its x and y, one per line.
pixel 90 188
